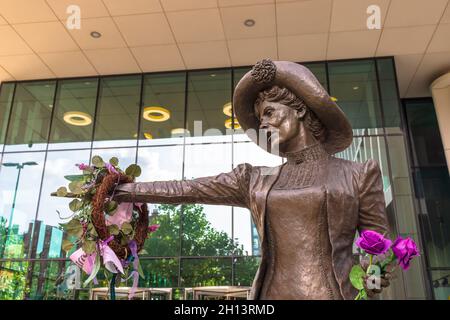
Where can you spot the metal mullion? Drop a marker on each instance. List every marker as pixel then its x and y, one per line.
pixel 97 98
pixel 141 102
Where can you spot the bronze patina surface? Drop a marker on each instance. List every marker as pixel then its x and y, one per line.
pixel 307 210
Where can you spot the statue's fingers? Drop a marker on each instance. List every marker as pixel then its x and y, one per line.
pixel 384 283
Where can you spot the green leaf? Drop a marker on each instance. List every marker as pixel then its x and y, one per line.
pixel 113 229
pixel 67 245
pixel 61 192
pixel 140 271
pixel 127 228
pixel 75 177
pixel 73 228
pixel 114 161
pixel 89 246
pixel 75 187
pixel 356 277
pixel 75 205
pixel 98 161
pixel 111 207
pixel 91 230
pixel 133 170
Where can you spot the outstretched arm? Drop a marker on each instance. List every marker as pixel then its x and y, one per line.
pixel 224 189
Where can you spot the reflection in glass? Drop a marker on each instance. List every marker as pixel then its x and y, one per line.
pixel 354 85
pixel 249 152
pixel 205 272
pixel 245 234
pixel 207 231
pixel 73 118
pixel 30 118
pixel 208 93
pixel 117 112
pixel 6 95
pixel 245 270
pixel 389 96
pixel 53 210
pixel 19 189
pixel 159 273
pixel 164 91
pixel 319 70
pixel 126 156
pixel 160 163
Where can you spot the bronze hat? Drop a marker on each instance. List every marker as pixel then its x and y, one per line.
pixel 300 81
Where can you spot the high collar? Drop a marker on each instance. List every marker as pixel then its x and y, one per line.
pixel 313 152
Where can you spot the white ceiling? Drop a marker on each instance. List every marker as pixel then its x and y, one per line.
pixel 163 35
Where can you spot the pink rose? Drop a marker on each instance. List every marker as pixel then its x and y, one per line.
pixel 405 250
pixel 373 243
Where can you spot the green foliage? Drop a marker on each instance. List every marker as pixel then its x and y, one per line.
pixel 114 161
pixel 200 239
pixel 357 277
pixel 98 161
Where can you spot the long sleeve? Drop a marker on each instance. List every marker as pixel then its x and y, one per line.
pixel 230 188
pixel 372 211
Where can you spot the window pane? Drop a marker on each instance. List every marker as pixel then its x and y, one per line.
pixel 58 165
pixel 126 156
pixel 165 242
pixel 245 235
pixel 159 273
pixel 319 70
pixel 164 91
pixel 440 284
pixel 245 270
pixel 389 96
pixel 13 280
pixel 18 205
pixel 160 163
pixel 207 160
pixel 354 85
pixel 208 93
pixel 6 95
pixel 30 119
pixel 73 118
pixel 249 152
pixel 118 110
pixel 205 272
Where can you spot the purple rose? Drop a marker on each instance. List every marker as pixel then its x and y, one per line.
pixel 405 250
pixel 373 243
pixel 110 168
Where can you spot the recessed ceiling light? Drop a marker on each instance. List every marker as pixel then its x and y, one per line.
pixel 96 34
pixel 355 88
pixel 249 23
pixel 213 75
pixel 87 83
pixel 179 132
pixel 227 109
pixel 334 99
pixel 228 124
pixel 156 114
pixel 77 118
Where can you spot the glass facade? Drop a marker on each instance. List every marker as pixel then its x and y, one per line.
pixel 175 125
pixel 432 190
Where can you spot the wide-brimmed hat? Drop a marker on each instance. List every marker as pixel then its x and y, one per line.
pixel 300 81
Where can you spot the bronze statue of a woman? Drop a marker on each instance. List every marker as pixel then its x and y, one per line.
pixel 307 210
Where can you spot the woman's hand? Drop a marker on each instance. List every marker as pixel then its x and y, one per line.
pixel 375 286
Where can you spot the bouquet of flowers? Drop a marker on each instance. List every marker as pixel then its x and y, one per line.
pixel 383 256
pixel 108 235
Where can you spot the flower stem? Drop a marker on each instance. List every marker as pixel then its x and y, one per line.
pixel 370 263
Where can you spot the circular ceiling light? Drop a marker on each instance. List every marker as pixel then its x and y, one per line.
pixel 179 132
pixel 77 118
pixel 334 99
pixel 355 88
pixel 148 135
pixel 249 23
pixel 156 114
pixel 227 109
pixel 228 124
pixel 96 34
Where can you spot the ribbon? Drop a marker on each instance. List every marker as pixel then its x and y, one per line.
pixel 135 272
pixel 123 214
pixel 84 261
pixel 110 260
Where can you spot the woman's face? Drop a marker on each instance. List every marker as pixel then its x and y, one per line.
pixel 281 121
